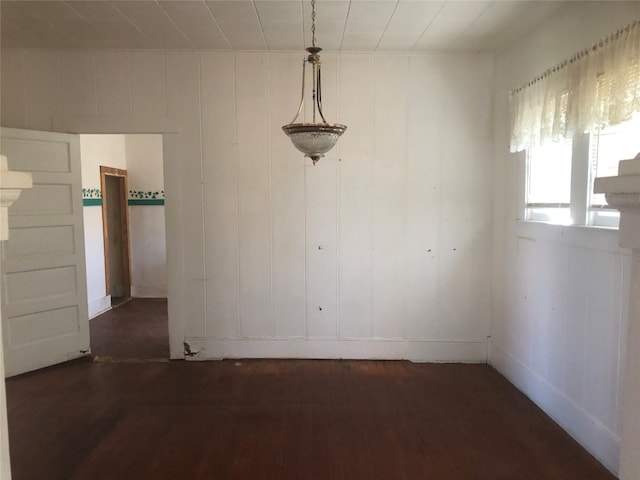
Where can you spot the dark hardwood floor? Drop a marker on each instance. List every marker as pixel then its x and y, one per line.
pixel 136 329
pixel 270 419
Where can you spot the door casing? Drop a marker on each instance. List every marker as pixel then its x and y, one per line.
pixel 124 227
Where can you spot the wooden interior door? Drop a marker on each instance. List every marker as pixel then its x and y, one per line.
pixel 115 227
pixel 43 273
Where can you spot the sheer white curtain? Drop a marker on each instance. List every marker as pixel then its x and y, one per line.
pixel 599 86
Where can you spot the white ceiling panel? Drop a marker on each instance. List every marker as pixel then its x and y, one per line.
pixel 196 21
pixel 15 27
pixel 397 42
pixel 282 24
pixel 410 20
pixel 369 17
pixel 13 37
pixel 240 24
pixel 500 23
pixel 65 21
pixel 331 17
pixel 360 42
pixel 154 22
pixel 106 18
pixel 275 12
pixel 35 26
pixel 366 23
pixel 282 41
pixel 413 17
pixel 450 24
pixel 275 25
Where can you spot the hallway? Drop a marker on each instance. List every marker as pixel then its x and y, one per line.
pixel 136 329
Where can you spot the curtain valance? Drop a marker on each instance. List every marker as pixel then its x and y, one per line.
pixel 599 86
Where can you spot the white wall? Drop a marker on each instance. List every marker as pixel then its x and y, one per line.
pixel 559 292
pixel 146 222
pixel 97 150
pixel 381 250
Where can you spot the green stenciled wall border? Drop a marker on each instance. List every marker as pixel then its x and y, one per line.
pixel 142 195
pixel 92 197
pixel 149 201
pixel 97 202
pixel 138 197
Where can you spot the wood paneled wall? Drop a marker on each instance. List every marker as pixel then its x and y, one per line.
pixel 383 249
pixel 559 293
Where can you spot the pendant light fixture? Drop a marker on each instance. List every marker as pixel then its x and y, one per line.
pixel 316 138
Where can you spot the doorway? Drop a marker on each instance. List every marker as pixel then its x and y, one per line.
pixel 165 132
pixel 125 243
pixel 115 227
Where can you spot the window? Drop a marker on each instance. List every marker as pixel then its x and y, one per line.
pixel 549 182
pixel 560 175
pixel 599 85
pixel 608 146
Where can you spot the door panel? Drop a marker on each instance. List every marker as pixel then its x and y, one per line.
pixel 44 290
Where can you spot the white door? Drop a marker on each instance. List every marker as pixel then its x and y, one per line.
pixel 44 288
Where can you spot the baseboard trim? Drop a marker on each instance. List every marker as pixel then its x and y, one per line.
pixel 381 349
pixel 149 291
pixel 586 429
pixel 99 306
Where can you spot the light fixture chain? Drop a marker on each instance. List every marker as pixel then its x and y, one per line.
pixel 313 23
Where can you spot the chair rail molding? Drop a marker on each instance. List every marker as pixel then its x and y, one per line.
pixel 623 193
pixel 11 185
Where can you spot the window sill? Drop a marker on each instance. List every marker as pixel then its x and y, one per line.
pixel 579 227
pixel 584 236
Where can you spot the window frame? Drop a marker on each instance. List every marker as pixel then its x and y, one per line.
pixel 580 211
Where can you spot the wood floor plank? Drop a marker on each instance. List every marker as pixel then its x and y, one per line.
pixel 138 328
pixel 282 420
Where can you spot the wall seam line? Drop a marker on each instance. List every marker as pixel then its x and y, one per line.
pixel 164 72
pixel 23 68
pixel 306 239
pixel 372 244
pixel 129 65
pixel 272 323
pixel 337 180
pixel 235 152
pixel 203 203
pixel 95 83
pixel 406 200
pixel 59 62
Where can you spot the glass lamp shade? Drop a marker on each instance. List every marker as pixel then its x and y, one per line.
pixel 314 139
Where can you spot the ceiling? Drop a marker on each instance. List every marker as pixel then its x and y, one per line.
pixel 275 25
